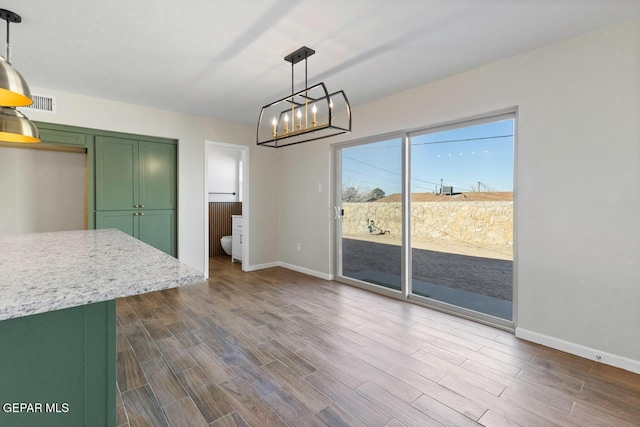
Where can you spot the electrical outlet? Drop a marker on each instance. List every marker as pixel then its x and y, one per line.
pixel 299 247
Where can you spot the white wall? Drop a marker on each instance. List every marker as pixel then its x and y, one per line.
pixel 578 183
pixel 41 191
pixel 305 213
pixel 223 170
pixel 191 132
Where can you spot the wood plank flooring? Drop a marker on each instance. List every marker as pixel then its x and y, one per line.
pixel 279 348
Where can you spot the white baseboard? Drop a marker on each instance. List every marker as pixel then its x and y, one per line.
pixel 580 350
pixel 288 266
pixel 262 266
pixel 305 270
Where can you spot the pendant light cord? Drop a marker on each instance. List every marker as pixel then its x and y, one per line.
pixel 8 48
pixel 306 85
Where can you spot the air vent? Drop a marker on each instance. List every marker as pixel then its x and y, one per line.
pixel 46 103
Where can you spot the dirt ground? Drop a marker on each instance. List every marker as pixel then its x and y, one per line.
pixel 482 275
pixel 458 248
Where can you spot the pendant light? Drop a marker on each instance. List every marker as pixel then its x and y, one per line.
pixel 16 127
pixel 14 92
pixel 310 114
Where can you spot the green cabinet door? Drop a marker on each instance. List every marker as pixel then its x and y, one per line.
pixel 157 175
pixel 116 174
pixel 154 227
pixel 158 229
pixel 125 221
pixel 62 363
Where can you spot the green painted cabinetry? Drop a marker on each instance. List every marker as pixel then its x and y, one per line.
pixel 154 227
pixel 58 368
pixel 54 136
pixel 157 175
pixel 125 221
pixel 116 174
pixel 125 171
pixel 136 189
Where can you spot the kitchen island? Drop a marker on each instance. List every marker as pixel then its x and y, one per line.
pixel 58 321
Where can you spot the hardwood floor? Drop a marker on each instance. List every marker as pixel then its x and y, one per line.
pixel 279 348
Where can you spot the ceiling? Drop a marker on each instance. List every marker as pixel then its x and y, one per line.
pixel 224 59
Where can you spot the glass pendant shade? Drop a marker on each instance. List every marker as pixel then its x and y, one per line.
pixel 14 91
pixel 16 127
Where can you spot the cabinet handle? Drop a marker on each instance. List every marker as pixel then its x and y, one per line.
pixel 136 206
pixel 136 214
pixel 141 213
pixel 141 206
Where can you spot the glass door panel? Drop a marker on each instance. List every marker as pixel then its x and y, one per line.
pixel 462 217
pixel 371 213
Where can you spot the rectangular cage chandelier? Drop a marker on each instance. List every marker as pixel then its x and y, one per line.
pixel 310 114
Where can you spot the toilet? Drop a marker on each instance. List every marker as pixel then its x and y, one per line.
pixel 225 241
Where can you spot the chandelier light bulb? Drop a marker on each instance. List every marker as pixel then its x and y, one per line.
pixel 330 111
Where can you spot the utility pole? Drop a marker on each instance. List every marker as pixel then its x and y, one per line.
pixel 441 189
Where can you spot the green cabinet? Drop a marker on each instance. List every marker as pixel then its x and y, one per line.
pixel 116 174
pixel 59 368
pixel 125 221
pixel 154 227
pixel 134 174
pixel 54 136
pixel 136 189
pixel 131 181
pixel 157 175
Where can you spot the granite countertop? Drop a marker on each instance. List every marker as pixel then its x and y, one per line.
pixel 43 272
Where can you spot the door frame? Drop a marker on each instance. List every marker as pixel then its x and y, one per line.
pixel 246 235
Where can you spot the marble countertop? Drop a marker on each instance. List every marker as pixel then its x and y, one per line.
pixel 43 272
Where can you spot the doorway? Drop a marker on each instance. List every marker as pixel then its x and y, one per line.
pixel 428 216
pixel 226 193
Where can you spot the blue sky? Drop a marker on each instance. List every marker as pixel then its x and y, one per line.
pixel 461 157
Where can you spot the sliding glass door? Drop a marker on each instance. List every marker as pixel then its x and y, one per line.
pixel 462 230
pixel 370 205
pixel 430 215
